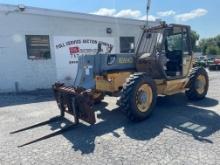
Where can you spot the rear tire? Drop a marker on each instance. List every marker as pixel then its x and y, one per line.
pixel 138 97
pixel 198 84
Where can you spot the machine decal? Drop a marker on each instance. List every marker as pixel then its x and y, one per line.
pixel 124 60
pixel 68 48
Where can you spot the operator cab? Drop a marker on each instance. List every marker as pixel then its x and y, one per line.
pixel 177 49
pixel 165 51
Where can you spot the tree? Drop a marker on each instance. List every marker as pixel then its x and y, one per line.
pixel 213 50
pixel 194 38
pixel 210 45
pixel 203 45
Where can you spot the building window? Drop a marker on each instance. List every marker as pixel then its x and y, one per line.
pixel 127 45
pixel 38 47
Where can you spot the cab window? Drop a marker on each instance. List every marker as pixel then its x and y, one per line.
pixel 177 41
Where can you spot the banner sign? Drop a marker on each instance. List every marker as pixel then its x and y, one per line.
pixel 67 50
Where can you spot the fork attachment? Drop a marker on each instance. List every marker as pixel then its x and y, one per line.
pixel 75 101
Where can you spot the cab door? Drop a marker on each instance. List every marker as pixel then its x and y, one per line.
pixel 178 51
pixel 187 51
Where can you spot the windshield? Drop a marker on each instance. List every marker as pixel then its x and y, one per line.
pixel 150 40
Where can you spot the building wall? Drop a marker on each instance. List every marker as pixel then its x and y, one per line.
pixel 16 68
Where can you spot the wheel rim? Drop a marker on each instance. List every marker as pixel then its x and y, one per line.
pixel 144 98
pixel 200 84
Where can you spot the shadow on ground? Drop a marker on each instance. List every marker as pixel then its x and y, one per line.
pixel 11 99
pixel 171 112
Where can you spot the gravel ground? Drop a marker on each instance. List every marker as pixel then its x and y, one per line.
pixel 179 132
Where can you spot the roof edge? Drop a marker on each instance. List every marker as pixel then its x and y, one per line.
pixel 8 8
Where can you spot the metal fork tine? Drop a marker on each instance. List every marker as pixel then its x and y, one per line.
pixel 38 125
pixel 65 129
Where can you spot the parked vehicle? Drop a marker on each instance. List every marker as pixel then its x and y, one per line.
pixel 215 65
pixel 201 62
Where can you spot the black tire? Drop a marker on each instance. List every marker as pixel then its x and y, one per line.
pixel 128 99
pixel 192 92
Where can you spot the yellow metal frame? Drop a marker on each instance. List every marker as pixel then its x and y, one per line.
pixel 112 82
pixel 171 87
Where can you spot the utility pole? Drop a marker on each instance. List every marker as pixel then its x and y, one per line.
pixel 148 9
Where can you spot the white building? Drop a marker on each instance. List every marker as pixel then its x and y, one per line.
pixel 38 46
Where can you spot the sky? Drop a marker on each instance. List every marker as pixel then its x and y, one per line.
pixel 201 15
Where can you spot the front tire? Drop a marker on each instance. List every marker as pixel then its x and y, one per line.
pixel 138 97
pixel 198 84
